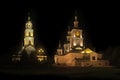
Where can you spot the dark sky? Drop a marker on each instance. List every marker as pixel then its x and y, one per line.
pixel 99 20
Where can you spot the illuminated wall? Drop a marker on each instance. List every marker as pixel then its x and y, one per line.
pixel 76 38
pixel 29 37
pixel 85 58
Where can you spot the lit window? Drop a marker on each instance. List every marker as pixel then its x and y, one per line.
pixel 31 34
pixel 26 34
pixel 74 44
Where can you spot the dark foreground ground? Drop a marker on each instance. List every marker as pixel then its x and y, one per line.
pixel 47 72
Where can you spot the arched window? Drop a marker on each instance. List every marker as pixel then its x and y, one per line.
pixel 29 42
pixel 29 34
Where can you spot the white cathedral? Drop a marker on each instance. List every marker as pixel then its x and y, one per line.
pixel 74 52
pixel 29 45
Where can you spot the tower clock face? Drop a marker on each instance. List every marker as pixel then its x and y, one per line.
pixel 77 33
pixel 29 24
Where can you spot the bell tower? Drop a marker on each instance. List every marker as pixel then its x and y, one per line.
pixel 59 50
pixel 76 40
pixel 29 36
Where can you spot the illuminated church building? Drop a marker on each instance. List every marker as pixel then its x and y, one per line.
pixel 29 45
pixel 29 37
pixel 74 52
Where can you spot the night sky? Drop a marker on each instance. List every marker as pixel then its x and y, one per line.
pixel 98 19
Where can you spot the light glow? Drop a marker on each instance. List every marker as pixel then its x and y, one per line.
pixel 77 33
pixel 74 44
pixel 41 50
pixel 87 51
pixel 78 48
pixel 41 58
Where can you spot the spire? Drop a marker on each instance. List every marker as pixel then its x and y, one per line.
pixel 28 22
pixel 68 28
pixel 76 19
pixel 76 22
pixel 59 45
pixel 76 13
pixel 28 16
